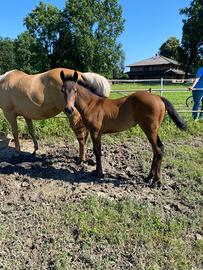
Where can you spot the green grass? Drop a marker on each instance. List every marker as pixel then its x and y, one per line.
pixel 139 232
pixel 146 86
pixel 103 234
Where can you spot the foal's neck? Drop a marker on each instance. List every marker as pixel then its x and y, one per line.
pixel 85 99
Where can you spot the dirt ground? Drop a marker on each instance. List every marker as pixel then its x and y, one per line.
pixel 56 168
pixel 27 182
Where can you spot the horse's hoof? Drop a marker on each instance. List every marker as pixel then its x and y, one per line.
pixel 34 153
pixel 90 162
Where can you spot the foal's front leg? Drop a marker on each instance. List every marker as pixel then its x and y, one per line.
pixel 96 139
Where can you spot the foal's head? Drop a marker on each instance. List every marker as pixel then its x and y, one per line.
pixel 69 89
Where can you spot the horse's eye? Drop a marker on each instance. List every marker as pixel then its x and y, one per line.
pixel 63 90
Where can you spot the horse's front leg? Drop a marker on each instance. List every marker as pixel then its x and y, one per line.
pixel 96 139
pixel 82 139
pixel 81 133
pixel 11 117
pixel 32 134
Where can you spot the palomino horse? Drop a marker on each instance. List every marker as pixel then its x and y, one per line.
pixel 103 115
pixel 39 97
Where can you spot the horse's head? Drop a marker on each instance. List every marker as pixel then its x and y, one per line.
pixel 69 89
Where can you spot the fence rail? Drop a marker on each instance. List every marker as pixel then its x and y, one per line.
pixel 161 89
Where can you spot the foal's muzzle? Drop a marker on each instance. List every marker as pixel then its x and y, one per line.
pixel 69 110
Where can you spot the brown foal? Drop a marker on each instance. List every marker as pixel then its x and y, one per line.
pixel 102 115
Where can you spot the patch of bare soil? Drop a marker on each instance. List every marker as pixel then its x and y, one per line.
pixel 29 182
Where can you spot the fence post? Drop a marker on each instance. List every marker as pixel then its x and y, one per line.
pixel 162 87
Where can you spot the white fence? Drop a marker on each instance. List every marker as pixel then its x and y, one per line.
pixel 162 82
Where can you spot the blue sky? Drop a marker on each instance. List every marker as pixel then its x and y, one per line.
pixel 148 24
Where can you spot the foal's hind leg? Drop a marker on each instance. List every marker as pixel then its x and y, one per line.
pixel 161 147
pixel 32 133
pixel 11 117
pixel 158 151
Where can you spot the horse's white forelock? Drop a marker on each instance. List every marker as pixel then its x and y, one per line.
pixel 99 83
pixel 3 76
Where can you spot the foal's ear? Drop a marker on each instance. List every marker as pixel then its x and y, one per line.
pixel 62 75
pixel 75 76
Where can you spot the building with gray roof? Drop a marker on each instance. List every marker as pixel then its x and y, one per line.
pixel 155 68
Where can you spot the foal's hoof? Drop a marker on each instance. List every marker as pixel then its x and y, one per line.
pixel 154 183
pixel 78 161
pixel 148 179
pixel 16 154
pixel 97 174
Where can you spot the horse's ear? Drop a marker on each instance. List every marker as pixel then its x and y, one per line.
pixel 62 75
pixel 75 76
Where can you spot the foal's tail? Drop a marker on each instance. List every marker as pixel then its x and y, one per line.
pixel 180 123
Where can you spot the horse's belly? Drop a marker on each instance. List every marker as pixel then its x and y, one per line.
pixel 38 113
pixel 119 126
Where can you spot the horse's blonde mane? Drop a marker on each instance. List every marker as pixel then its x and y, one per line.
pixel 3 76
pixel 99 83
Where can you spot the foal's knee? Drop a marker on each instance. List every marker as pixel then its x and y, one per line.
pixel 159 153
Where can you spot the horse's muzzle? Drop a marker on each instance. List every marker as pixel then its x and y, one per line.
pixel 69 110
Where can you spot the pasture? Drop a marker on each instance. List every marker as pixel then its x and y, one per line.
pixel 54 215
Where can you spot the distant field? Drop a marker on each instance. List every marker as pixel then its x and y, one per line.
pixel 178 98
pixel 147 85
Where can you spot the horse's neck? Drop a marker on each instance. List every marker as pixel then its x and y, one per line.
pixel 85 99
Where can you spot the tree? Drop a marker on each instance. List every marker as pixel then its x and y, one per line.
pixel 43 23
pixel 94 26
pixel 30 56
pixel 79 20
pixel 192 39
pixel 170 48
pixel 83 36
pixel 7 57
pixel 110 25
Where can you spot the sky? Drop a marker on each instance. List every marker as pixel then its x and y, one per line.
pixel 148 23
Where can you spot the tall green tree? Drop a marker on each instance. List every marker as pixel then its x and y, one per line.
pixel 108 51
pixel 30 55
pixel 82 36
pixel 43 23
pixel 79 21
pixel 192 39
pixel 7 55
pixel 170 48
pixel 94 26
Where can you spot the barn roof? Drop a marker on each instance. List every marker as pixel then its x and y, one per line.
pixel 155 60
